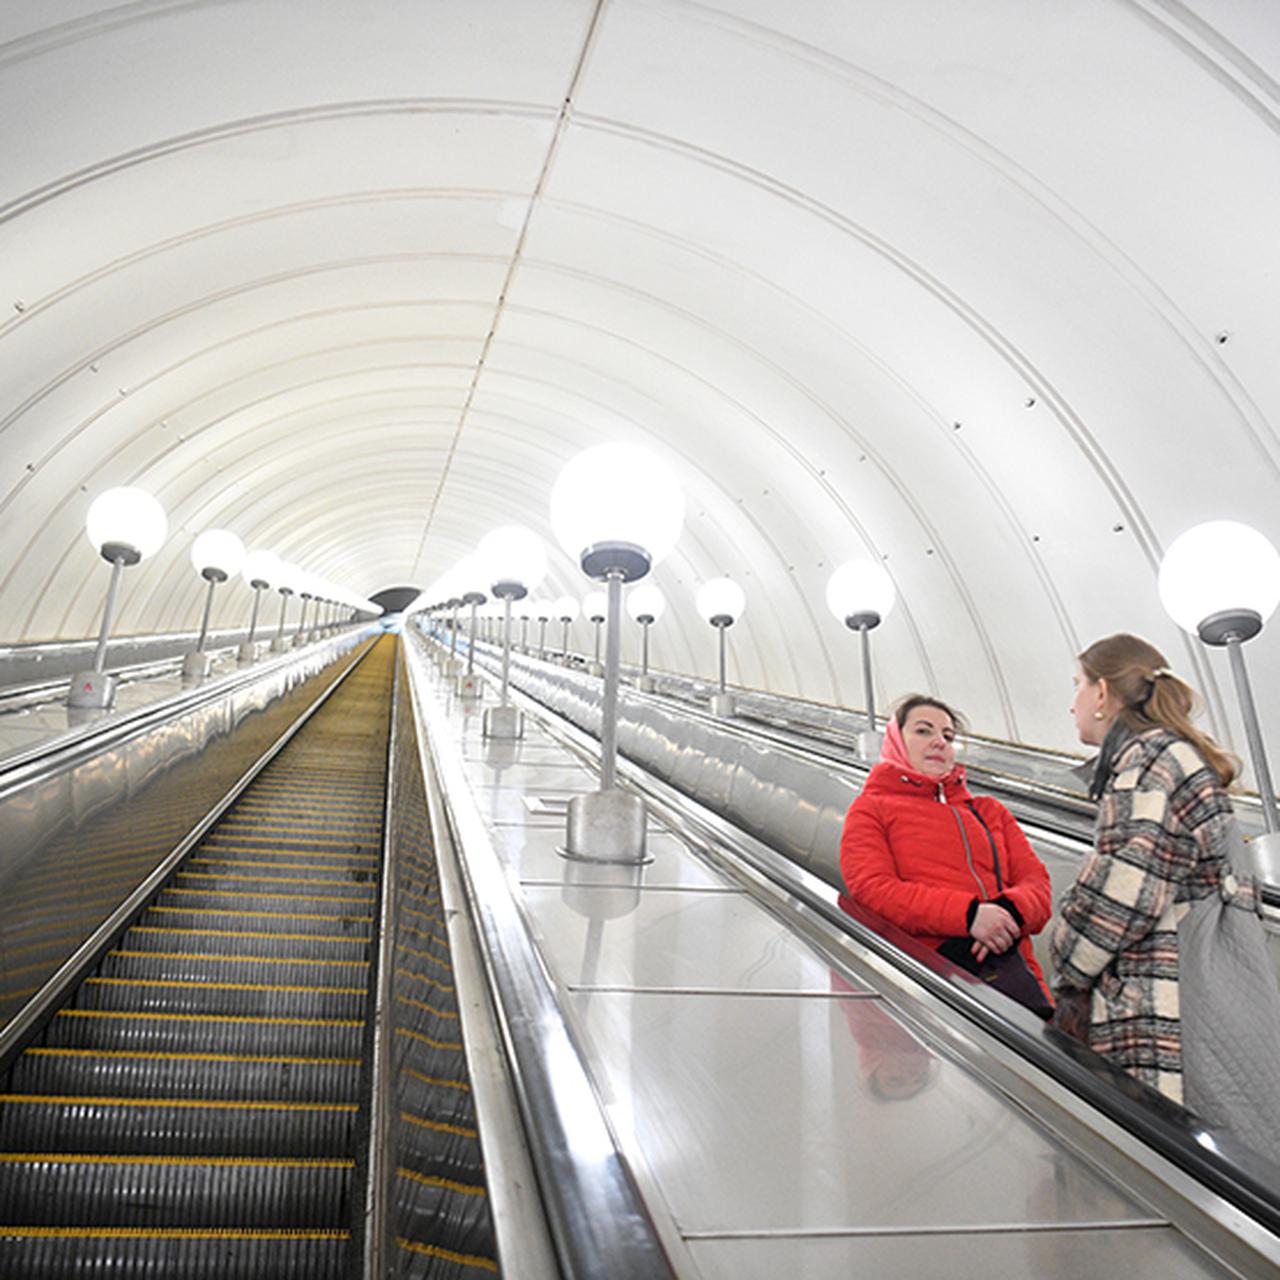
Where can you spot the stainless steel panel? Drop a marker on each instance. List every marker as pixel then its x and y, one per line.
pixel 1142 1253
pixel 768 1112
pixel 661 939
pixel 531 850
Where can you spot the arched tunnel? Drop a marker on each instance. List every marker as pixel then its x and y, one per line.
pixel 977 293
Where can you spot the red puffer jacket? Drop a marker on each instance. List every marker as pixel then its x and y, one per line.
pixel 902 856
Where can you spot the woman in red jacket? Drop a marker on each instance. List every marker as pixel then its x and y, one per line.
pixel 924 853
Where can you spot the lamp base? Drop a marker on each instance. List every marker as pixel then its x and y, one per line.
pixel 722 704
pixel 469 687
pixel 247 654
pixel 595 669
pixel 280 644
pixel 196 666
pixel 869 743
pixel 606 826
pixel 1233 624
pixel 92 689
pixel 646 684
pixel 1264 859
pixel 503 722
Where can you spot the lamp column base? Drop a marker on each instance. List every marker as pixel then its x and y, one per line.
pixel 247 654
pixel 646 684
pixel 606 826
pixel 92 689
pixel 503 722
pixel 722 704
pixel 869 743
pixel 196 666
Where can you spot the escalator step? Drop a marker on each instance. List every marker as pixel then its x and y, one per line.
pixel 196 1033
pixel 135 1190
pixel 53 1253
pixel 160 1126
pixel 151 995
pixel 320 942
pixel 176 1075
pixel 196 966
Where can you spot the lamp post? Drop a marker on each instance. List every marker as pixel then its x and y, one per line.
pixel 544 616
pixel 1221 582
pixel 286 577
pixel 125 526
pixel 453 604
pixel 595 607
pixel 306 593
pixel 721 602
pixel 861 594
pixel 515 563
pixel 616 510
pixel 566 609
pixel 468 684
pixel 216 554
pixel 646 604
pixel 259 570
pixel 524 610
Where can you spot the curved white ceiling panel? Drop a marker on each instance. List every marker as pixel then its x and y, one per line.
pixel 985 291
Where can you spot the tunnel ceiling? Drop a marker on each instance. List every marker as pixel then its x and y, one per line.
pixel 985 290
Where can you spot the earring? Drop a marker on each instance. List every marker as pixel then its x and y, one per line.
pixel 1097 715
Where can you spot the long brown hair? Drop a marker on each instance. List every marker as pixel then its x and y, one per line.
pixel 1151 696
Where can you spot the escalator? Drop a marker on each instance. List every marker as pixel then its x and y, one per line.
pixel 199 1105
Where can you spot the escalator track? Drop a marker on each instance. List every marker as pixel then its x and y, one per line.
pixel 194 1108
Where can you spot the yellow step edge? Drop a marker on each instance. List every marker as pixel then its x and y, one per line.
pixel 212 1017
pixel 438 1126
pixel 461 1085
pixel 430 1180
pixel 187 985
pixel 451 1046
pixel 249 933
pixel 185 1104
pixel 220 1162
pixel 262 915
pixel 447 1255
pixel 169 1233
pixel 202 955
pixel 160 1055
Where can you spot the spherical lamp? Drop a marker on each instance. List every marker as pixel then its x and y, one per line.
pixel 861 594
pixel 616 508
pixel 1221 582
pixel 216 554
pixel 125 525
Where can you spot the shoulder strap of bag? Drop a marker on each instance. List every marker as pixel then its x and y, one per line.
pixel 991 840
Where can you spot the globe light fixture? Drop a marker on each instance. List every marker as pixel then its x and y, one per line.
pixel 125 526
pixel 721 602
pixel 287 576
pixel 566 609
pixel 617 510
pixel 259 571
pixel 1221 582
pixel 861 594
pixel 595 608
pixel 646 604
pixel 516 563
pixel 216 555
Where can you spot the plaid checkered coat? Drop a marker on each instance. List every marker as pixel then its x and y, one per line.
pixel 1157 846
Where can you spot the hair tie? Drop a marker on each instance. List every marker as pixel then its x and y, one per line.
pixel 1160 671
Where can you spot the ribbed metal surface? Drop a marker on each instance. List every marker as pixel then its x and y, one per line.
pixel 192 1109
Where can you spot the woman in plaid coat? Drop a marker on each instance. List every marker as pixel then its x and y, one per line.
pixel 1162 791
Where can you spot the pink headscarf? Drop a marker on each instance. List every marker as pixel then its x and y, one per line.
pixel 894 752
